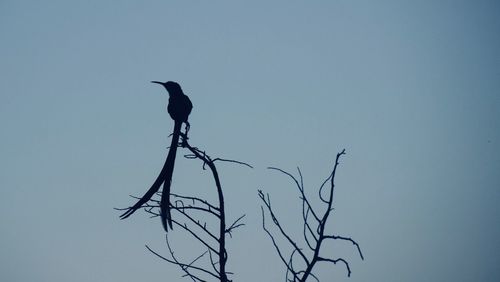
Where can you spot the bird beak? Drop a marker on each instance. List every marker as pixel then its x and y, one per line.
pixel 157 82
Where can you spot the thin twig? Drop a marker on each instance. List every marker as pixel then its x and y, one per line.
pixel 289 267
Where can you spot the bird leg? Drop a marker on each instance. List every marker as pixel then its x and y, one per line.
pixel 188 126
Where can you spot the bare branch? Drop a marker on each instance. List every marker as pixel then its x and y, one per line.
pixel 276 222
pixel 212 262
pixel 197 223
pixel 185 267
pixel 307 230
pixel 318 235
pixel 196 199
pixel 235 225
pixel 207 161
pixel 320 192
pixel 288 266
pixel 301 190
pixel 334 261
pixel 346 239
pixel 232 161
pixel 189 207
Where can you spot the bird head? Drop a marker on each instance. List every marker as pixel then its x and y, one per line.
pixel 172 87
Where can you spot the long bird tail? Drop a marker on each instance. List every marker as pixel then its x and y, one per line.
pixel 165 214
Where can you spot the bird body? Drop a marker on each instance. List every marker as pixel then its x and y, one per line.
pixel 179 107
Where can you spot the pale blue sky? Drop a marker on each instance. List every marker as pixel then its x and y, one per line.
pixel 411 89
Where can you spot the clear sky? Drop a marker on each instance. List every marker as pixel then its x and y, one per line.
pixel 411 89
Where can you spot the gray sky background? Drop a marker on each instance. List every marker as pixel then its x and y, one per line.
pixel 409 88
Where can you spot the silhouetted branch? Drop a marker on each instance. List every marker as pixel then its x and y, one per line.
pixel 334 261
pixel 196 199
pixel 267 202
pixel 222 223
pixel 313 237
pixel 235 225
pixel 320 192
pixel 288 264
pixel 346 239
pixel 300 187
pixel 199 230
pixel 232 161
pixel 186 267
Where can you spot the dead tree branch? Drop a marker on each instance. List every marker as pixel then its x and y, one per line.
pixel 313 232
pixel 191 209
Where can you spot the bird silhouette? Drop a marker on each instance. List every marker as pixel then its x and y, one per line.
pixel 179 107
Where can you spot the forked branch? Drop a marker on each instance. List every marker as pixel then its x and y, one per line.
pixel 193 215
pixel 313 231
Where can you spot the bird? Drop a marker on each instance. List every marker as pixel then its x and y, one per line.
pixel 179 107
